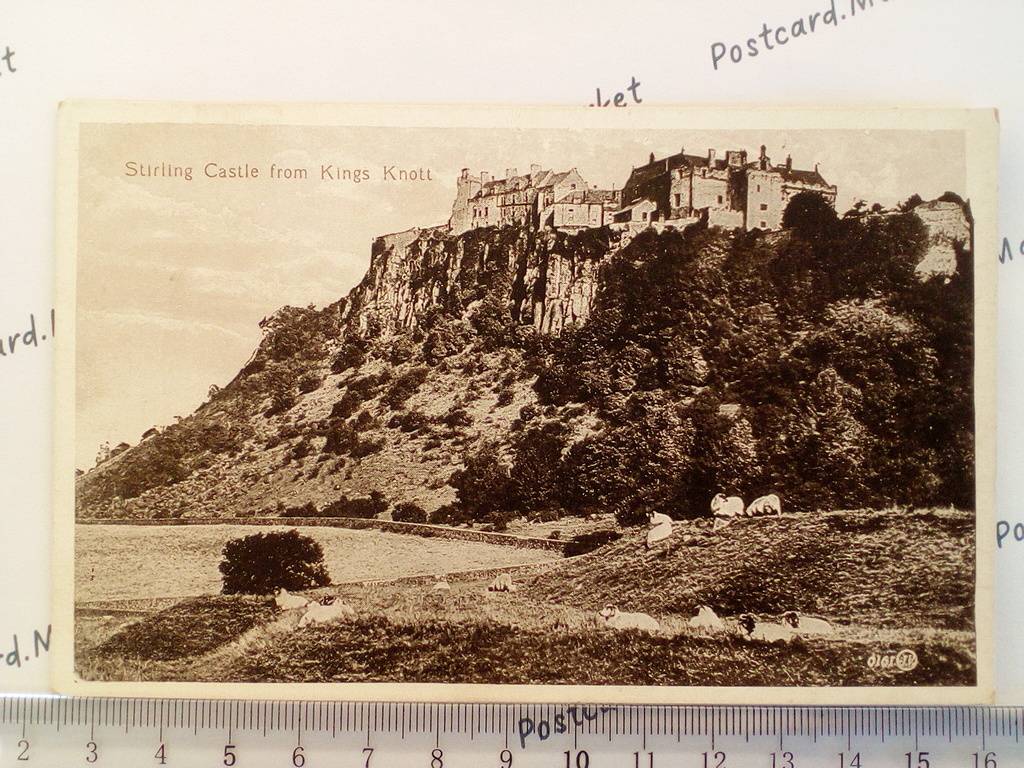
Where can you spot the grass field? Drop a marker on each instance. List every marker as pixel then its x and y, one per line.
pixel 887 581
pixel 123 562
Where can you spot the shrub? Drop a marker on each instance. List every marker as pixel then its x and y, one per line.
pixel 401 350
pixel 457 417
pixel 366 447
pixel 310 383
pixel 411 421
pixel 588 542
pixel 364 507
pixel 409 512
pixel 298 451
pixel 346 406
pixel 263 562
pixel 405 386
pixel 351 355
pixel 505 397
pixel 341 438
pixel 303 510
pixel 450 514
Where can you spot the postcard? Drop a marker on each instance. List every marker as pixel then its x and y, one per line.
pixel 484 403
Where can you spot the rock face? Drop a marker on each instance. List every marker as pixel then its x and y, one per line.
pixel 948 224
pixel 550 277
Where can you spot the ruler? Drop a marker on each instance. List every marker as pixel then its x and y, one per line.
pixel 143 733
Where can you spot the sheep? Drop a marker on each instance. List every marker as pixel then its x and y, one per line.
pixel 661 528
pixel 502 583
pixel 706 619
pixel 752 629
pixel 764 505
pixel 441 586
pixel 287 601
pixel 725 508
pixel 616 619
pixel 318 613
pixel 806 625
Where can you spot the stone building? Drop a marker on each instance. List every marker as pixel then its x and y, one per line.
pixel 481 201
pixel 730 190
pixel 586 208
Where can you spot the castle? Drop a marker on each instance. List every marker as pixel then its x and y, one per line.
pixel 730 191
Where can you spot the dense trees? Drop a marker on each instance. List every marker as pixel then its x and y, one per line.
pixel 814 363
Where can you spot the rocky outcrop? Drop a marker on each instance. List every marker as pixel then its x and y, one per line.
pixel 550 277
pixel 948 224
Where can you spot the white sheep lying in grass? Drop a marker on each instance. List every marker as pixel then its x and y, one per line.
pixel 707 619
pixel 617 619
pixel 752 629
pixel 286 601
pixel 764 505
pixel 441 586
pixel 725 508
pixel 319 613
pixel 661 528
pixel 502 583
pixel 806 625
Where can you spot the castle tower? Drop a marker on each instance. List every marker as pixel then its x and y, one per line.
pixel 466 186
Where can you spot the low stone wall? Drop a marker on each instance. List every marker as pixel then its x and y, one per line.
pixel 391 526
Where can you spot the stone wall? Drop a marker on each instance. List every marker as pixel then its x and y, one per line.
pixel 947 224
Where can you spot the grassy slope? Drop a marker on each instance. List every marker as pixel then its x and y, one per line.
pixel 882 569
pixel 881 602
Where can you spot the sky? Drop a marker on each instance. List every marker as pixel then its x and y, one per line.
pixel 174 275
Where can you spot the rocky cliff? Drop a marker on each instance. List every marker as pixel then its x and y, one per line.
pixel 551 276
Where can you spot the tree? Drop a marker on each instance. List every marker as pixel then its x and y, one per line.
pixel 263 562
pixel 810 214
pixel 482 488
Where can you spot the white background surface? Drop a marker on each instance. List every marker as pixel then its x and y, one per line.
pixel 900 52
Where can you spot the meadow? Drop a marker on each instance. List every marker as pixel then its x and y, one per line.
pixel 887 581
pixel 124 562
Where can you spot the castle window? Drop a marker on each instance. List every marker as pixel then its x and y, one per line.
pixel 720 200
pixel 758 187
pixel 764 206
pixel 764 225
pixel 679 199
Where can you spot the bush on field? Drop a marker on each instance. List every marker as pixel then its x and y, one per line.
pixel 263 562
pixel 588 542
pixel 409 512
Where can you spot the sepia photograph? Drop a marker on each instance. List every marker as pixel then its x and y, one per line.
pixel 491 403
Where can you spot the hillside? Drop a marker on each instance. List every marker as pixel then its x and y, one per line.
pixel 887 581
pixel 880 569
pixel 509 371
